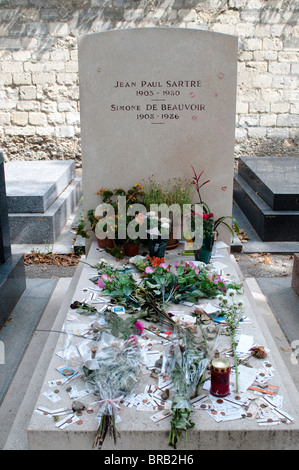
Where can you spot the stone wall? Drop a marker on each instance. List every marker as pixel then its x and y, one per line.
pixel 39 94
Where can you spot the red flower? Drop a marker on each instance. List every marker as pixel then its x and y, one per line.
pixel 207 216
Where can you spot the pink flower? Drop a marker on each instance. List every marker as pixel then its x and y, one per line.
pixel 180 263
pixel 139 327
pixel 149 269
pixel 101 284
pixel 165 266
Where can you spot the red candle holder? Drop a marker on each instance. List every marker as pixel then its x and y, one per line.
pixel 220 370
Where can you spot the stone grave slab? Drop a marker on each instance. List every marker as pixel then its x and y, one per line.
pixel 32 186
pixel 265 182
pixel 44 228
pixel 12 270
pixel 12 285
pixel 275 180
pixel 137 431
pixel 41 197
pixel 153 102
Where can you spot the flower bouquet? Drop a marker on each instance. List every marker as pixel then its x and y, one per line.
pixel 110 365
pixel 197 282
pixel 142 262
pixel 119 286
pixel 233 313
pixel 114 375
pixel 186 366
pixel 160 281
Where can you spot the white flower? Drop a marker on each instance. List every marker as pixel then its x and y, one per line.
pixel 153 231
pixel 151 214
pixel 165 220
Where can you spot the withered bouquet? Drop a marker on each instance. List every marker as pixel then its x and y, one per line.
pixel 115 374
pixel 186 364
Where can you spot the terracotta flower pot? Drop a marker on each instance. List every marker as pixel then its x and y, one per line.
pixel 172 242
pixel 105 243
pixel 131 249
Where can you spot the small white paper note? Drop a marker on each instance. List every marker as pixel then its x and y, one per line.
pixel 247 376
pixel 244 344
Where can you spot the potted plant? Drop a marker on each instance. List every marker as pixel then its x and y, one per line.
pixel 174 193
pixel 87 225
pixel 209 224
pixel 108 228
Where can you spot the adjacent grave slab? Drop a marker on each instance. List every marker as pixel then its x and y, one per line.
pixel 41 197
pixel 46 227
pixel 32 186
pixel 275 180
pixel 12 285
pixel 255 244
pixel 137 430
pixel 12 270
pixel 153 102
pixel 263 181
pixel 284 303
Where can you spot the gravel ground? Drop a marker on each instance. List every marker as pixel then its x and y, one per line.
pixel 39 271
pixel 265 265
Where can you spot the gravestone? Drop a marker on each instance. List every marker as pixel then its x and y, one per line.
pixel 12 271
pixel 135 125
pixel 266 190
pixel 153 102
pixel 41 196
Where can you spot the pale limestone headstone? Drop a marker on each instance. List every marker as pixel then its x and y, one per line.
pixel 155 102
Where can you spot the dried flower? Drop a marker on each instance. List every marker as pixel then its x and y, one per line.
pixel 259 352
pixel 75 304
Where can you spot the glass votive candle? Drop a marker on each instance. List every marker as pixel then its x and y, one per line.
pixel 220 370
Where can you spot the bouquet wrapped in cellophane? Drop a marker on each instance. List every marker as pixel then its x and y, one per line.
pixel 185 363
pixel 110 365
pixel 116 376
